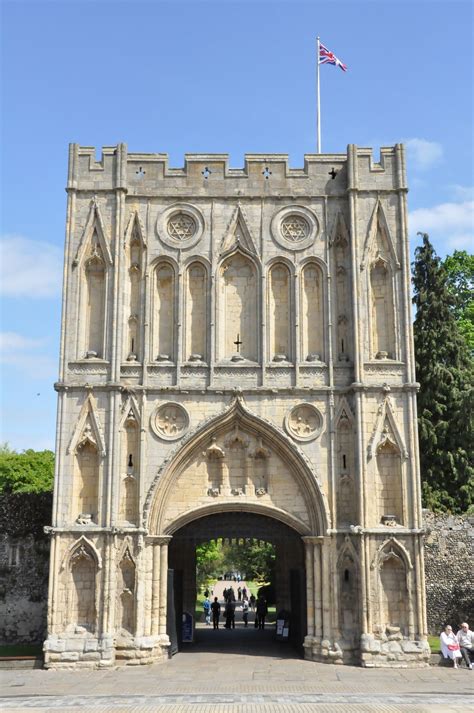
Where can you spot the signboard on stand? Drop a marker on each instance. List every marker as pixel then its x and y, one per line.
pixel 187 628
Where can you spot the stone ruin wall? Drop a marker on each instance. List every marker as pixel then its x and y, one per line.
pixel 24 566
pixel 449 567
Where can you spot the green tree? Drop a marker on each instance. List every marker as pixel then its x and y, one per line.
pixel 446 375
pixel 27 472
pixel 460 280
pixel 209 557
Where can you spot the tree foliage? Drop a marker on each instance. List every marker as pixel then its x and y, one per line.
pixel 253 559
pixel 27 472
pixel 460 280
pixel 445 371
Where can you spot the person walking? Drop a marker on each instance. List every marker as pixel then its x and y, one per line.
pixel 239 594
pixel 465 639
pixel 245 612
pixel 449 645
pixel 216 612
pixel 252 602
pixel 230 614
pixel 207 610
pixel 262 610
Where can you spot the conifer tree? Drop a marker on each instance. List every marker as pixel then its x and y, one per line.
pixel 445 372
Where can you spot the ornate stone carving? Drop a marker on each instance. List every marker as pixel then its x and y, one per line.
pixel 304 422
pixel 181 226
pixel 295 227
pixel 214 452
pixel 170 421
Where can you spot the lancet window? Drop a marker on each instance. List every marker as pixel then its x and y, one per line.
pixel 312 314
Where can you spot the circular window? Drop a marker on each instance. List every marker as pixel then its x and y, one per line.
pixel 180 226
pixel 295 227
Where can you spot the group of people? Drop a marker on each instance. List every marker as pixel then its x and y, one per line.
pixel 247 603
pixel 457 646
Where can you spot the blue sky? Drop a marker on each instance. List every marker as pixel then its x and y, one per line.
pixel 233 77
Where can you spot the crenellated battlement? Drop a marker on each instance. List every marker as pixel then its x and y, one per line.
pixel 210 174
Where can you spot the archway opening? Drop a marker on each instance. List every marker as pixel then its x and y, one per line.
pixel 237 538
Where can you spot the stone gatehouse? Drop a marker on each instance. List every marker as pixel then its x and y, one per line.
pixel 236 361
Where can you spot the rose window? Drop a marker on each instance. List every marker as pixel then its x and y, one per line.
pixel 181 226
pixel 295 228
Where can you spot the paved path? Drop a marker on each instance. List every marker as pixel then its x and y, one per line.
pixel 238 671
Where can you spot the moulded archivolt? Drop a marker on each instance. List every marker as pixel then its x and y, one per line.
pixel 304 422
pixel 181 226
pixel 295 227
pixel 169 421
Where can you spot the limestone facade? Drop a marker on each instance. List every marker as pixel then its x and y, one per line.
pixel 236 341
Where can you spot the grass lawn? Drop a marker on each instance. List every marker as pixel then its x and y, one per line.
pixel 21 650
pixel 434 644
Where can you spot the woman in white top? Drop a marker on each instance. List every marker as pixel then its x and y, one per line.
pixel 450 645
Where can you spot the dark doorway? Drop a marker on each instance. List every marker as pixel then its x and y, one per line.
pixel 289 584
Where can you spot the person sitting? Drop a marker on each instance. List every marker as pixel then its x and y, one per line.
pixel 449 645
pixel 465 639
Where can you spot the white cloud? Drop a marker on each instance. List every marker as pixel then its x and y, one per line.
pixel 27 355
pixel 449 223
pixel 13 342
pixel 422 154
pixel 29 268
pixel 462 193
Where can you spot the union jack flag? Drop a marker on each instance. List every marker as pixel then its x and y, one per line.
pixel 328 57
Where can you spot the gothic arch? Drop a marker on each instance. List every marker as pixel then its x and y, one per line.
pixel 237 297
pixel 135 228
pixel 88 547
pixel 238 235
pixel 385 415
pixel 313 309
pixel 164 309
pixel 237 414
pixel 88 428
pixel 378 222
pixel 94 224
pixel 397 549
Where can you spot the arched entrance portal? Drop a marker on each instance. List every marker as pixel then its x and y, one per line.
pixel 239 526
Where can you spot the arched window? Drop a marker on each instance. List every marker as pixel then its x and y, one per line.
pixel 312 314
pixel 238 292
pixel 82 610
pixel 95 306
pixel 279 313
pixel 383 332
pixel 196 313
pixel 389 482
pixel 128 511
pixel 164 313
pixel 133 346
pixel 394 593
pixel 86 481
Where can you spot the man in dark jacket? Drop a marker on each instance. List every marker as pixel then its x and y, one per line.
pixel 216 612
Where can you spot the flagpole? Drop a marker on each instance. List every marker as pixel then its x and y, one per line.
pixel 318 99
